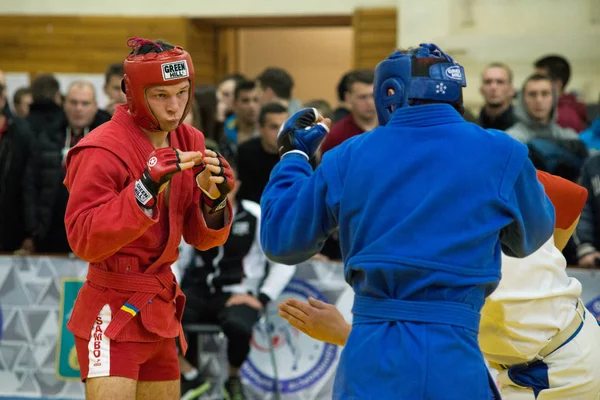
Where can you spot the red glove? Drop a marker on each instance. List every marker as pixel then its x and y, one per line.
pixel 162 165
pixel 217 203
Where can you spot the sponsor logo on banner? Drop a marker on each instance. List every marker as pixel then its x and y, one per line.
pixel 279 351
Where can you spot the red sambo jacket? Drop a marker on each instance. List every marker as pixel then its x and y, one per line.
pixel 130 254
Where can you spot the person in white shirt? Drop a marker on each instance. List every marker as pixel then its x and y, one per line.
pixel 534 330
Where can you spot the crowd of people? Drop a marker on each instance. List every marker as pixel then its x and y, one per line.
pixel 240 118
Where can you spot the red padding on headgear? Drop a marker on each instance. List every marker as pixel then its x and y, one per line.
pixel 144 70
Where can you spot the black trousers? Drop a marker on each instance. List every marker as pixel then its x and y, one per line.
pixel 237 322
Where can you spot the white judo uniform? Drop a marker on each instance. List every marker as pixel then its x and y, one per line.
pixel 537 333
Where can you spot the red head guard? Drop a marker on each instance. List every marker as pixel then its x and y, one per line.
pixel 152 69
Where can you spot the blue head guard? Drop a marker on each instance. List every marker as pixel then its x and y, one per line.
pixel 425 73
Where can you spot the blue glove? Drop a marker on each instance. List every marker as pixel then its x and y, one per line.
pixel 301 133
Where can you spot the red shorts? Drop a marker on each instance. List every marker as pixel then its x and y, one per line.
pixel 142 361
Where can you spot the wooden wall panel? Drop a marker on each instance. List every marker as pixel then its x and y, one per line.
pixel 202 46
pixel 374 35
pixel 38 44
pixel 228 51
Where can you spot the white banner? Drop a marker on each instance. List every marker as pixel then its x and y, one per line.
pixel 281 357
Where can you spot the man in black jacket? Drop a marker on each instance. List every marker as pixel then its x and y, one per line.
pixel 45 196
pixel 15 151
pixel 47 102
pixel 498 93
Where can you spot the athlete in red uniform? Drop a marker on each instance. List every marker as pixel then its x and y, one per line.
pixel 137 184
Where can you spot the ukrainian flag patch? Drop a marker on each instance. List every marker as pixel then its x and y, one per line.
pixel 130 309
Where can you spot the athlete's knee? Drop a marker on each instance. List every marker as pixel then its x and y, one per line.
pixel 158 390
pixel 110 387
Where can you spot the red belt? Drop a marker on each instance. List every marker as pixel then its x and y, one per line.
pixel 146 287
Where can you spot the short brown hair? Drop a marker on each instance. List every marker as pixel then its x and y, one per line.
pixel 535 78
pixel 504 67
pixel 365 76
pixel 115 69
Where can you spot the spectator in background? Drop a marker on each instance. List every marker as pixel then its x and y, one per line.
pixel 591 136
pixel 45 196
pixel 322 107
pixel 241 126
pixel 587 233
pixel 193 117
pixel 225 95
pixel 362 118
pixel 205 97
pixel 15 151
pixel 555 149
pixel 22 100
pixel 275 85
pixel 258 156
pixel 536 112
pixel 6 109
pixel 571 113
pixel 498 93
pixel 112 86
pixel 46 108
pixel 230 285
pixel 343 108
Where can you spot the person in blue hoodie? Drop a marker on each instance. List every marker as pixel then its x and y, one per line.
pixel 591 137
pixel 425 204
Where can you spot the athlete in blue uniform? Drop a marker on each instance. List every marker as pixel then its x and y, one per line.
pixel 424 204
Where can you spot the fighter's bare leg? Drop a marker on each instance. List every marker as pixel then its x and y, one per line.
pixel 110 387
pixel 160 390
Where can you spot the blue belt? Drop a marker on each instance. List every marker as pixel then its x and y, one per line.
pixel 372 309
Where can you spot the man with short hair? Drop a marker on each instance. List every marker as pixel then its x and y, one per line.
pixel 362 118
pixel 45 196
pixel 257 157
pixel 498 93
pixel 16 140
pixel 22 100
pixel 6 111
pixel 275 85
pixel 421 244
pixel 225 95
pixel 112 86
pixel 571 113
pixel 137 185
pixel 343 108
pixel 46 108
pixel 536 113
pixel 241 126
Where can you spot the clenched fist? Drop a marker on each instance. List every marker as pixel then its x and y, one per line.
pixel 214 177
pixel 160 168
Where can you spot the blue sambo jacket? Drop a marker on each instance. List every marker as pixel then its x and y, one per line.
pixel 424 207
